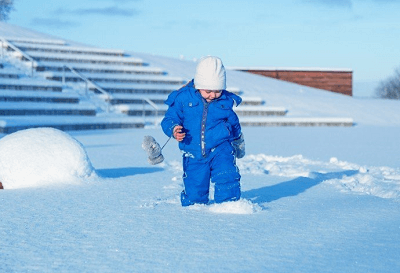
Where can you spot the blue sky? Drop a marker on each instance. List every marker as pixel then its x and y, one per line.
pixel 360 35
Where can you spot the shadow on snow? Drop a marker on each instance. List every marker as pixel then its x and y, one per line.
pixel 292 187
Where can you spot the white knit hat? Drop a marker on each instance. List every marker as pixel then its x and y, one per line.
pixel 210 74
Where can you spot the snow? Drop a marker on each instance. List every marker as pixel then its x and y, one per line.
pixel 106 67
pixel 46 106
pixel 38 94
pixel 314 199
pixel 82 57
pixel 30 82
pixel 382 182
pixel 67 120
pixel 103 77
pixel 62 47
pixel 242 206
pixel 40 157
pixel 300 101
pixel 34 41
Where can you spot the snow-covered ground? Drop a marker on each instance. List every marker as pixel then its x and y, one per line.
pixel 314 200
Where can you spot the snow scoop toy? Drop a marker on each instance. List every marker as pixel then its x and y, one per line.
pixel 153 149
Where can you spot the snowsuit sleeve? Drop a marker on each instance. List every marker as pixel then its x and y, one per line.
pixel 233 118
pixel 236 128
pixel 173 116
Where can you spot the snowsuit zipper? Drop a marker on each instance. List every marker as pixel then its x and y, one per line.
pixel 203 127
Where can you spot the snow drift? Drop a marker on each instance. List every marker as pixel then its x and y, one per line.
pixel 40 157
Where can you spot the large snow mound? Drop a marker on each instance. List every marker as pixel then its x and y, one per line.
pixel 42 157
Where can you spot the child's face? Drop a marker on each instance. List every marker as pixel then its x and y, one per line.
pixel 210 95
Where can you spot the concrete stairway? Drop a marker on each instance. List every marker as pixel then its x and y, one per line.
pixel 51 83
pixel 27 102
pixel 104 72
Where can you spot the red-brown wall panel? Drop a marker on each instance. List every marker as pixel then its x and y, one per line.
pixel 335 81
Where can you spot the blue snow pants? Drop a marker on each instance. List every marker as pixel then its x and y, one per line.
pixel 218 167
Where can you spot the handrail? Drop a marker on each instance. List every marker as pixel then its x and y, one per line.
pixel 104 92
pixel 26 56
pixel 152 104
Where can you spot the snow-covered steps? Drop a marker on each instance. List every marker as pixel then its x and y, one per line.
pixel 296 121
pixel 252 101
pixel 250 110
pixel 121 98
pixel 9 72
pixel 8 75
pixel 12 124
pixel 138 88
pixel 38 96
pixel 142 110
pixel 30 84
pixel 34 109
pixel 54 48
pixel 134 87
pixel 234 90
pixel 114 78
pixel 137 98
pixel 35 41
pixel 80 58
pixel 100 68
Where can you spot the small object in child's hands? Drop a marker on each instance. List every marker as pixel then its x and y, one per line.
pixel 179 133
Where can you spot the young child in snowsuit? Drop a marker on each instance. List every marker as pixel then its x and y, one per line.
pixel 201 118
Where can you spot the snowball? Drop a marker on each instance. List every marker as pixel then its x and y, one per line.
pixel 333 160
pixel 363 170
pixel 40 157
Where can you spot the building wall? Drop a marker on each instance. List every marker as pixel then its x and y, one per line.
pixel 335 81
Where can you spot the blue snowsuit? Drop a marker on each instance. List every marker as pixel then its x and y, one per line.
pixel 207 151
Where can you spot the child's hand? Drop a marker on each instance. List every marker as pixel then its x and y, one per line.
pixel 178 134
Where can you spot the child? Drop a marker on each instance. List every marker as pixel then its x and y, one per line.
pixel 201 118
